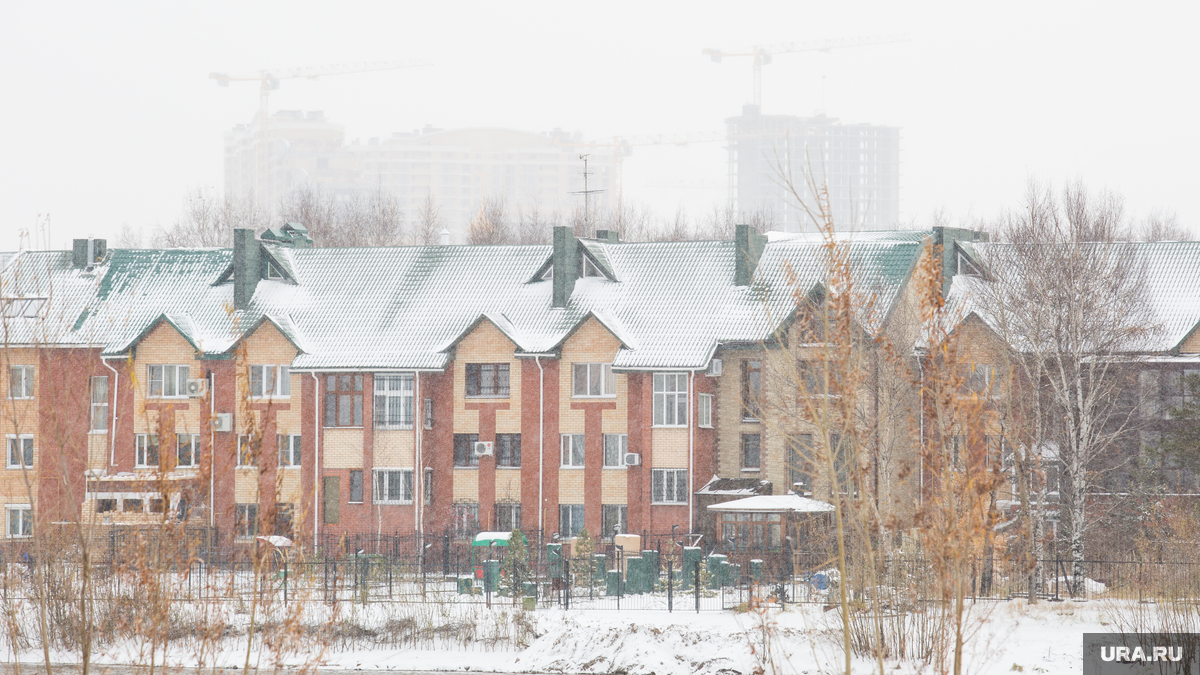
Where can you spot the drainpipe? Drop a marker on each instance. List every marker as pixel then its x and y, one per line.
pixel 316 461
pixel 112 435
pixel 541 443
pixel 691 452
pixel 419 468
pixel 212 450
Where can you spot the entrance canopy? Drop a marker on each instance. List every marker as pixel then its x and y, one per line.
pixel 789 503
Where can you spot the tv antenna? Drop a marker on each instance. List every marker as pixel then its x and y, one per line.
pixel 586 192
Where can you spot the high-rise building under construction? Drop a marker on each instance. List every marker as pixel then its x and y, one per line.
pixel 860 164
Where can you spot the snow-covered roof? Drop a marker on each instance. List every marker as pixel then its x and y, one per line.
pixel 670 304
pixel 1172 285
pixel 790 502
pixel 735 487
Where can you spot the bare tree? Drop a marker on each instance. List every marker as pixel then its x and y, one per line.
pixel 210 221
pixel 372 219
pixel 429 221
pixel 534 224
pixel 491 225
pixel 1069 298
pixel 1162 225
pixel 317 211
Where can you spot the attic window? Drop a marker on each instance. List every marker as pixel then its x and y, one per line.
pixel 22 307
pixel 273 271
pixel 548 274
pixel 965 266
pixel 590 269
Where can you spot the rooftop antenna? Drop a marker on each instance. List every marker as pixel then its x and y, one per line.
pixel 587 222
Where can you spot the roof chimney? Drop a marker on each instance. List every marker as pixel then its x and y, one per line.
pixel 85 253
pixel 445 237
pixel 566 265
pixel 247 267
pixel 748 248
pixel 608 236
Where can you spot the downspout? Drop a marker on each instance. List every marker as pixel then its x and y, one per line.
pixel 316 461
pixel 691 453
pixel 112 435
pixel 541 443
pixel 212 449
pixel 418 470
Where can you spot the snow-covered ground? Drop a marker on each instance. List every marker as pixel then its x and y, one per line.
pixel 1008 636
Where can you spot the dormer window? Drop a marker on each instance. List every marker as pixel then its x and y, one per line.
pixel 549 274
pixel 273 272
pixel 22 307
pixel 589 268
pixel 965 266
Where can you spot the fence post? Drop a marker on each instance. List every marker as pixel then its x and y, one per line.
pixel 696 586
pixel 285 582
pixel 670 589
pixel 566 577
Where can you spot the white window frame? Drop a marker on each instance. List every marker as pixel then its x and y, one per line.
pixel 245 450
pixel 289 450
pixel 19 451
pixel 250 522
pixel 141 448
pixel 29 308
pixel 704 404
pixel 622 443
pixel 98 420
pixel 392 392
pixel 25 524
pixel 593 380
pixel 678 481
pixel 382 485
pixel 572 455
pixel 279 377
pixel 20 382
pixel 670 400
pixel 166 380
pixel 195 451
pixel 572 509
pixel 513 509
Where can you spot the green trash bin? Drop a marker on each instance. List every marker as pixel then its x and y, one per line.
pixel 687 573
pixel 635 574
pixel 612 582
pixel 491 576
pixel 756 570
pixel 716 577
pixel 465 585
pixel 598 565
pixel 531 589
pixel 554 560
pixel 651 558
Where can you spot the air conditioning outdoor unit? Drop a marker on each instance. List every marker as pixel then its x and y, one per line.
pixel 483 448
pixel 197 388
pixel 222 422
pixel 633 459
pixel 714 368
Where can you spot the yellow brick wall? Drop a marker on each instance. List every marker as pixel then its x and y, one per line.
pixel 508 485
pixel 570 486
pixel 19 416
pixel 670 447
pixel 1191 345
pixel 466 486
pixel 245 486
pixel 486 344
pixel 342 448
pixel 288 484
pixel 591 343
pixel 267 346
pixel 394 448
pixel 98 451
pixel 163 346
pixel 614 486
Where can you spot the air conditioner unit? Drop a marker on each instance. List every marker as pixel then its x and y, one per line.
pixel 222 422
pixel 714 368
pixel 633 459
pixel 197 388
pixel 483 448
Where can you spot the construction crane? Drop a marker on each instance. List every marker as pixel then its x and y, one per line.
pixel 268 81
pixel 622 146
pixel 762 54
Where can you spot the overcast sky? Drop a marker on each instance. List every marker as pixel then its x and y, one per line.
pixel 110 117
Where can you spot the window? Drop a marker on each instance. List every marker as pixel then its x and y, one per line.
pixel 669 486
pixel 147 451
pixel 20 520
pixel 106 505
pixel 22 307
pixel 270 382
pixel 394 401
pixel 356 486
pixel 20 451
pixel 427 486
pixel 132 506
pixel 272 272
pixel 508 517
pixel 289 450
pixel 705 402
pixel 615 447
pixel 464 450
pixel 249 448
pixel 589 268
pixel 20 382
pixel 752 531
pixel 670 399
pixel 751 388
pixel 343 400
pixel 428 413
pixel 99 404
pixel 393 486
pixel 613 517
pixel 283 520
pixel 187 450
pixel 594 379
pixel 978 378
pixel 168 381
pixel 570 519
pixel 466 520
pixel 245 520
pixel 508 450
pixel 751 452
pixel 488 380
pixel 572 450
pixel 800 468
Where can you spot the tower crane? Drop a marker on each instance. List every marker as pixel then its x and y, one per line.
pixel 268 81
pixel 762 54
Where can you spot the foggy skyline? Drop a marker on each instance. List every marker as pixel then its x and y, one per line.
pixel 113 119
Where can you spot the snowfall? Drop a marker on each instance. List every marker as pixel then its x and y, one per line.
pixel 1007 636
